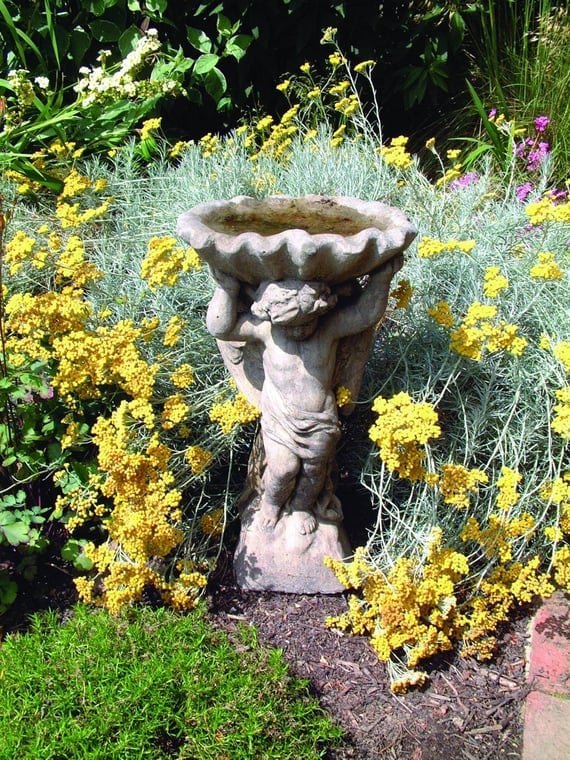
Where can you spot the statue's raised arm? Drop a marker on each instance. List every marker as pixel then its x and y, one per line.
pixel 369 306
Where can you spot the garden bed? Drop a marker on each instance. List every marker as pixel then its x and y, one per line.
pixel 467 710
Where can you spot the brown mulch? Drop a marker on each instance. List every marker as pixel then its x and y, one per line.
pixel 467 711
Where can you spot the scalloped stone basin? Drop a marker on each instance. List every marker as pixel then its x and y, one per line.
pixel 315 237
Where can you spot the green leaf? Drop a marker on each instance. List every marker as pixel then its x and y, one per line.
pixel 16 532
pixel 198 39
pixel 156 6
pixel 105 31
pixel 215 84
pixel 74 551
pixel 224 25
pixel 205 64
pixel 237 46
pixel 79 44
pixel 8 590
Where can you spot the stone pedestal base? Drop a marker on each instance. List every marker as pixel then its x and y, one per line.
pixel 286 560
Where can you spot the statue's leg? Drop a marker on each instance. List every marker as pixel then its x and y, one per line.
pixel 282 467
pixel 310 483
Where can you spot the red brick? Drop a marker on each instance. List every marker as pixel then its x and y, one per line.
pixel 549 658
pixel 546 727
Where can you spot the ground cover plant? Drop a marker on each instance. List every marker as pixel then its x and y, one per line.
pixel 115 396
pixel 151 684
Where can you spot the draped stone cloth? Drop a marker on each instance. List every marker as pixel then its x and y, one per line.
pixel 312 436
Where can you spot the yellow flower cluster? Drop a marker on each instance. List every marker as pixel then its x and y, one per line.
pixel 209 144
pixel 410 609
pixel 348 105
pixel 340 88
pixel 149 126
pixel 144 513
pixel 19 251
pixel 72 265
pixel 561 421
pixel 165 260
pixel 505 587
pixel 198 459
pixel 429 247
pixel 547 268
pixel 477 333
pixel 279 138
pixel 562 352
pixel 494 282
pixel 67 261
pixel 363 66
pixel 133 495
pixel 175 410
pixel 441 313
pixel 402 428
pixel 179 147
pixel 236 411
pixel 496 539
pixel 558 492
pixel 548 210
pixel 454 172
pixel 507 486
pixel 183 376
pixel 35 321
pixel 71 216
pixel 172 331
pixel 403 294
pixel 212 523
pixel 457 482
pixel 343 396
pixel 396 154
pixel 88 360
pixel 75 184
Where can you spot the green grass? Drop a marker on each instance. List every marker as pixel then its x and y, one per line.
pixel 153 685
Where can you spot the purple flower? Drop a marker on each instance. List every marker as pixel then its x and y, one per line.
pixel 541 122
pixel 523 191
pixel 537 156
pixel 46 393
pixel 492 113
pixel 469 178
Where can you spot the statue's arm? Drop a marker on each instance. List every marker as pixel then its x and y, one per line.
pixel 222 309
pixel 371 303
pixel 222 319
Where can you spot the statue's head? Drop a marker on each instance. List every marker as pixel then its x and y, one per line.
pixel 292 303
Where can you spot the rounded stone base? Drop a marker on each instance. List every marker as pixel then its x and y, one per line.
pixel 286 560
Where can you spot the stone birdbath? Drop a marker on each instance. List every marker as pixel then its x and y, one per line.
pixel 301 286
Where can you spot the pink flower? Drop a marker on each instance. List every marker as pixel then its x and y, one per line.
pixel 523 191
pixel 541 122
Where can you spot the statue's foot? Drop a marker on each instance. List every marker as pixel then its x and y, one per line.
pixel 267 518
pixel 305 522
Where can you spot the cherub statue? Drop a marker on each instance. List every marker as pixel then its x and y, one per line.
pixel 297 326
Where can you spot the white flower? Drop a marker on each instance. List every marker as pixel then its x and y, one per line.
pixel 42 82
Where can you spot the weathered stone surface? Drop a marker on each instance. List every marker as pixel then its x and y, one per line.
pixel 283 559
pixel 294 321
pixel 330 239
